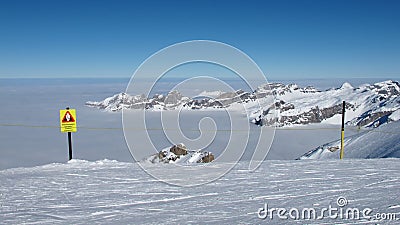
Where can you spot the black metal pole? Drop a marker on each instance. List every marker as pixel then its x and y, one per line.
pixel 69 143
pixel 342 131
pixel 343 112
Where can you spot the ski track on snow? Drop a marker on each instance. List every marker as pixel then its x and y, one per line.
pixel 82 192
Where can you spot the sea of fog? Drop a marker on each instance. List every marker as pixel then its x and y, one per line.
pixel 29 133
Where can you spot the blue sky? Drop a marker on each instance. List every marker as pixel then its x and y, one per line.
pixel 288 39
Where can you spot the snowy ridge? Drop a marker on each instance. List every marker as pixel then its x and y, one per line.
pixel 172 101
pixel 124 101
pixel 367 105
pixel 382 142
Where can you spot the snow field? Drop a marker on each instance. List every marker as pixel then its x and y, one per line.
pixel 109 192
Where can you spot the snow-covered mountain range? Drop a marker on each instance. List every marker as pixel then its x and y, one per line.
pixel 366 105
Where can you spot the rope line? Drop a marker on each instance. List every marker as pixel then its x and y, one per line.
pixel 198 130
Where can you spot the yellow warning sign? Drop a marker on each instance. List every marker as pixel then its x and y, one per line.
pixel 68 120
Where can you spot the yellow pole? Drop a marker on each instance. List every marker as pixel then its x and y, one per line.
pixel 342 145
pixel 342 132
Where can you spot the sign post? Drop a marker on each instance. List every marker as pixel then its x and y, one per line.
pixel 68 125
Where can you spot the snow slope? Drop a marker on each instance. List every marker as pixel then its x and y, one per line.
pixel 381 142
pixel 111 192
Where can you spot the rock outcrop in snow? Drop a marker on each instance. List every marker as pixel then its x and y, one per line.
pixel 367 105
pixel 180 154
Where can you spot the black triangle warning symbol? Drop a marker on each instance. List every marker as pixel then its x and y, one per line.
pixel 68 118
